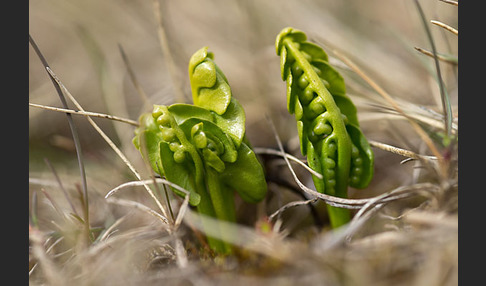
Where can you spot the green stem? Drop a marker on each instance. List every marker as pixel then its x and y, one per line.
pixel 205 207
pixel 338 216
pixel 223 204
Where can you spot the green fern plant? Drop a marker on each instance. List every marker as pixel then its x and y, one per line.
pixel 326 118
pixel 202 147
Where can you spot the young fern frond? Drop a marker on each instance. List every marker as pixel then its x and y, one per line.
pixel 202 147
pixel 327 119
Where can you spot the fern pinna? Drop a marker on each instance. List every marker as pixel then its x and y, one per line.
pixel 327 120
pixel 202 147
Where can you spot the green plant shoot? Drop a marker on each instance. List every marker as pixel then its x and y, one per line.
pixel 327 120
pixel 202 147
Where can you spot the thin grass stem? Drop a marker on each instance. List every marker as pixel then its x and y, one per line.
pixel 86 113
pixel 133 78
pixel 400 151
pixel 260 150
pixel 143 183
pixel 66 195
pixel 183 207
pixel 452 2
pixel 291 205
pixel 445 26
pixel 108 231
pixel 446 104
pixel 164 44
pixel 447 59
pixel 140 206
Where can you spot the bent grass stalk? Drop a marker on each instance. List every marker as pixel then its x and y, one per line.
pixel 86 113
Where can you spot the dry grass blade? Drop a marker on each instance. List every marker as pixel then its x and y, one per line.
pixel 450 60
pixel 445 26
pixel 66 195
pixel 452 2
pixel 260 150
pixel 106 234
pixel 162 181
pixel 182 210
pixel 143 183
pixel 399 151
pixel 139 206
pixel 291 205
pixel 181 254
pixel 108 140
pixel 55 206
pixel 86 113
pixel 133 78
pixel 421 114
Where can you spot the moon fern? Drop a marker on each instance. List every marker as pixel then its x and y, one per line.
pixel 202 147
pixel 326 118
